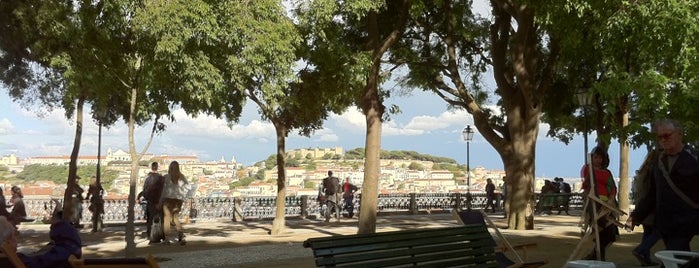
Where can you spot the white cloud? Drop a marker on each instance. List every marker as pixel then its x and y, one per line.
pixel 352 119
pixel 6 127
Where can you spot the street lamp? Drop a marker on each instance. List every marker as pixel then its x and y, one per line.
pixel 584 99
pixel 468 136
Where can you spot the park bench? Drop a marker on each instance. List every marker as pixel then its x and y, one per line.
pixel 147 262
pixel 463 246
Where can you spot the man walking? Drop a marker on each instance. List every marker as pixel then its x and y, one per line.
pixel 348 190
pixel 152 189
pixel 673 189
pixel 331 189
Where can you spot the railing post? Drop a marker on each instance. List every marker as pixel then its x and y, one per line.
pixel 413 204
pixel 304 206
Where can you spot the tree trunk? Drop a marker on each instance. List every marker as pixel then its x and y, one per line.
pixel 130 216
pixel 624 181
pixel 280 204
pixel 519 167
pixel 68 208
pixel 373 110
pixel 370 186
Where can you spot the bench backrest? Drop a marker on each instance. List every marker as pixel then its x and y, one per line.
pixel 463 246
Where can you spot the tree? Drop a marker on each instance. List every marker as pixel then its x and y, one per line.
pixel 145 58
pixel 445 52
pixel 357 34
pixel 638 62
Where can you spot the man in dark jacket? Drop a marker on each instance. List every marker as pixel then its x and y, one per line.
pixel 673 190
pixel 152 190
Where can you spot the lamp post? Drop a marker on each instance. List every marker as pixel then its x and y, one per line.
pixel 468 136
pixel 584 99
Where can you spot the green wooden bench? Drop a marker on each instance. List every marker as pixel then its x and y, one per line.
pixel 463 246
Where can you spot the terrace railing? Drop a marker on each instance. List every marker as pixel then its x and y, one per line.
pixel 263 208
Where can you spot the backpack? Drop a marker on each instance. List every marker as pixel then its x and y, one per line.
pixel 331 185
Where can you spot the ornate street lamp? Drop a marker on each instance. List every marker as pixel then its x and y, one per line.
pixel 468 136
pixel 584 99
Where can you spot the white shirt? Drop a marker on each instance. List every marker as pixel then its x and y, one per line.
pixel 175 191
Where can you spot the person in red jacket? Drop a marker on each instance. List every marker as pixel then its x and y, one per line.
pixel 605 189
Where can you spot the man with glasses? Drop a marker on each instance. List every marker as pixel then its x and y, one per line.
pixel 674 189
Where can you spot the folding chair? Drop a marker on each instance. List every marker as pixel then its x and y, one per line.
pixel 479 217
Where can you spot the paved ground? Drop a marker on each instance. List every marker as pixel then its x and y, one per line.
pixel 248 244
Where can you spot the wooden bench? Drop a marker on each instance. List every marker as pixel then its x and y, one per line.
pixel 147 262
pixel 463 246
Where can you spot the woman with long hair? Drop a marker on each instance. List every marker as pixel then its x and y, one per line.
pixel 174 192
pixel 19 211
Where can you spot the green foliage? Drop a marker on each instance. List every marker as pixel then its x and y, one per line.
pixel 242 182
pixel 59 174
pixel 309 185
pixel 416 166
pixel 636 57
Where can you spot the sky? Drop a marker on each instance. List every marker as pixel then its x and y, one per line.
pixel 425 126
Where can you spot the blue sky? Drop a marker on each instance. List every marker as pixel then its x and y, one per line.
pixel 424 126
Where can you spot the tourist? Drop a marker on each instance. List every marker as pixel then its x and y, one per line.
pixel 604 189
pixel 331 188
pixel 19 211
pixel 65 241
pixel 77 199
pixel 94 194
pixel 672 194
pixel 490 195
pixel 3 205
pixel 152 190
pixel 348 190
pixel 174 193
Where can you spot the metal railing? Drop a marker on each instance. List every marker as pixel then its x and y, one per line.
pixel 261 208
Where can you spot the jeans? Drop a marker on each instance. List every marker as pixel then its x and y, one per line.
pixel 349 206
pixel 650 237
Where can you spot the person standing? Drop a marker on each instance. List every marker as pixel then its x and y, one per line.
pixel 77 199
pixel 19 211
pixel 331 189
pixel 490 195
pixel 348 190
pixel 152 190
pixel 604 189
pixel 174 193
pixel 94 194
pixel 641 184
pixel 672 194
pixel 3 205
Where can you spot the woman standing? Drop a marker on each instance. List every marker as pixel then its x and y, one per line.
pixel 174 191
pixel 605 189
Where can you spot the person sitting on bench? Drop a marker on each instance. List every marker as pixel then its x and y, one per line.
pixel 65 241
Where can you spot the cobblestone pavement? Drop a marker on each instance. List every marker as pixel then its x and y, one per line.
pixel 248 244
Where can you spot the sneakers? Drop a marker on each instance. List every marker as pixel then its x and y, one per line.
pixel 644 260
